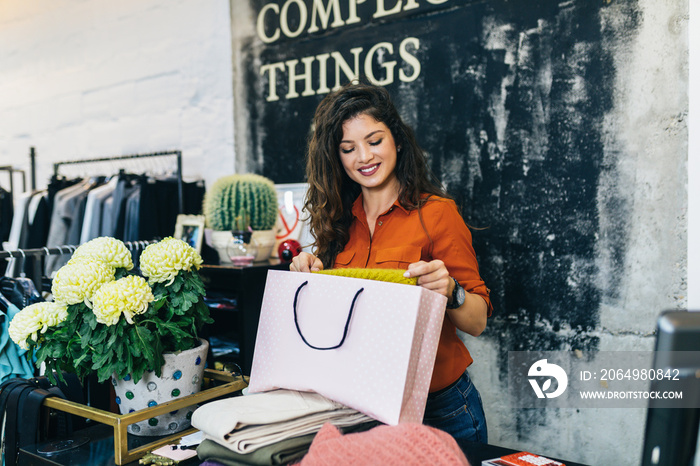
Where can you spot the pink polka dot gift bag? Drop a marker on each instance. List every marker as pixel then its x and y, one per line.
pixel 367 344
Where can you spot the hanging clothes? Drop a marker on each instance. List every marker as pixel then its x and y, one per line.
pixel 29 228
pixel 110 209
pixel 38 230
pixel 92 221
pixel 6 211
pixel 131 217
pixel 126 207
pixel 38 219
pixel 13 360
pixel 121 210
pixel 19 291
pixel 158 211
pixel 19 230
pixel 66 220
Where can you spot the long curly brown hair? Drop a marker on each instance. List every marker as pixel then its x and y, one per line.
pixel 331 192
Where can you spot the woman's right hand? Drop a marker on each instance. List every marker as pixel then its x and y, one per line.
pixel 305 262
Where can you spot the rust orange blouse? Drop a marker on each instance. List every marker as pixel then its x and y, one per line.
pixel 399 240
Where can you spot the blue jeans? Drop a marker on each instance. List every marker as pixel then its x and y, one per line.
pixel 458 411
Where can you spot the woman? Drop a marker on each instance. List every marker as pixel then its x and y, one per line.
pixel 374 203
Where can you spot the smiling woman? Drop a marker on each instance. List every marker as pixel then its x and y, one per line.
pixel 374 203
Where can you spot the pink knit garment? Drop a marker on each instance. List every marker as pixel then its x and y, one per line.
pixel 401 445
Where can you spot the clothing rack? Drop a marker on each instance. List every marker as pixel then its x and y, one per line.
pixel 12 170
pixel 175 153
pixel 67 249
pixel 32 165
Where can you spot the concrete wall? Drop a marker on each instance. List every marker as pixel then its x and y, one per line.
pixel 640 252
pixel 694 160
pixel 86 79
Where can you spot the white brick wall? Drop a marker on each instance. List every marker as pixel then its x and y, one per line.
pixel 95 78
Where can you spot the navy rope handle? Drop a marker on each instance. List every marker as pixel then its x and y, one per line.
pixel 347 323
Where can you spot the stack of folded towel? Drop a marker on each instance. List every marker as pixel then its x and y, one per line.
pixel 268 428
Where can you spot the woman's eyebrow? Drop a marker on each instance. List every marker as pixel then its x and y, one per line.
pixel 368 136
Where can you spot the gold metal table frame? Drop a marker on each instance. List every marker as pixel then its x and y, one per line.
pixel 120 422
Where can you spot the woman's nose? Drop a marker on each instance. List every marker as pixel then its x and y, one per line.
pixel 365 154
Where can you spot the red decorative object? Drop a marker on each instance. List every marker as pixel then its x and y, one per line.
pixel 288 249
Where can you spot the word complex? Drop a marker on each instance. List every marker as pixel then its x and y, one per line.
pixel 382 63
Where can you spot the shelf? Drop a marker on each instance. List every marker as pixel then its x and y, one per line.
pixel 119 422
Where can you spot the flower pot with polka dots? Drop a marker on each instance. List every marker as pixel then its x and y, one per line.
pixel 181 375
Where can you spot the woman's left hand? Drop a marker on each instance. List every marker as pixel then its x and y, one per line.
pixel 470 317
pixel 432 275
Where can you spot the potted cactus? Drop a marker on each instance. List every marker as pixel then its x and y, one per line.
pixel 242 203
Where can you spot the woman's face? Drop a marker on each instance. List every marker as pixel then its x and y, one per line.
pixel 368 153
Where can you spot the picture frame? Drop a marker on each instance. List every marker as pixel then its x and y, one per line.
pixel 190 229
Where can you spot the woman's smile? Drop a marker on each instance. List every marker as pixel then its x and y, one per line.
pixel 370 169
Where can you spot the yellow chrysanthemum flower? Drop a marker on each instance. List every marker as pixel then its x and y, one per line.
pixel 34 319
pixel 110 250
pixel 76 281
pixel 129 295
pixel 162 261
pixel 51 314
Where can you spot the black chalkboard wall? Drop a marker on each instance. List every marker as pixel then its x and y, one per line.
pixel 508 98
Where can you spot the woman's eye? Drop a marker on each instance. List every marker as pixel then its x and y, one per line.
pixel 346 151
pixel 375 143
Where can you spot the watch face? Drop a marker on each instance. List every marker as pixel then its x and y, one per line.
pixel 459 298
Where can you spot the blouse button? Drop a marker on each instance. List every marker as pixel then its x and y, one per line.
pixel 380 223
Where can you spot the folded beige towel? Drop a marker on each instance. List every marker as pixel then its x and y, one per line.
pixel 246 423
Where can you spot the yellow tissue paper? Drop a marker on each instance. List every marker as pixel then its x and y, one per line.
pixel 383 275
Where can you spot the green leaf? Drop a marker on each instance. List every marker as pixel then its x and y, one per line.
pixel 177 283
pixel 80 359
pixel 99 335
pixel 113 339
pixel 156 305
pixel 175 330
pixel 134 350
pixel 176 301
pixel 92 320
pixel 169 313
pixel 186 305
pixel 129 362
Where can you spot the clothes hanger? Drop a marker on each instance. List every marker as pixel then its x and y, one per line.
pixel 27 284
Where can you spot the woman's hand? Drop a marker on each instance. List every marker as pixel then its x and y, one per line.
pixel 432 275
pixel 305 262
pixel 470 317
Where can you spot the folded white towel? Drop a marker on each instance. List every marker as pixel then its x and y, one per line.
pixel 246 423
pixel 251 438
